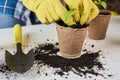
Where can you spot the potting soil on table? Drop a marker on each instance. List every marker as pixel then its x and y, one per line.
pixel 46 55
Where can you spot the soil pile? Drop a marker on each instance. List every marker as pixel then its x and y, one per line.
pixel 46 55
pixel 88 63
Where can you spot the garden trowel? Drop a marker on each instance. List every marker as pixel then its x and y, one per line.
pixel 19 62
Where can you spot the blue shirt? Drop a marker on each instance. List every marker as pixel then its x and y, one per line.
pixel 14 8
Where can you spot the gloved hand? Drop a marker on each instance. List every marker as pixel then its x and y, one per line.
pixel 89 10
pixel 32 4
pixel 48 11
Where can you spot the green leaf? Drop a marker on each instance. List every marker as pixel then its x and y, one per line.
pixel 103 4
pixel 68 14
pixel 100 3
pixel 81 12
pixel 96 2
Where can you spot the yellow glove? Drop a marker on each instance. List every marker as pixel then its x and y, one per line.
pixel 48 11
pixel 32 4
pixel 89 10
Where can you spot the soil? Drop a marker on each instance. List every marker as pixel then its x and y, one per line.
pixel 82 66
pixel 46 54
pixel 4 68
pixel 104 13
pixel 73 26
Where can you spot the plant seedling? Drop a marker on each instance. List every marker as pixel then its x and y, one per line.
pixel 100 3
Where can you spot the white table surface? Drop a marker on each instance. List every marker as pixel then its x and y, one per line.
pixel 39 33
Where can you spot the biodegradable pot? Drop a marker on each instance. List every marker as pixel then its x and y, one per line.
pixel 70 40
pixel 98 27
